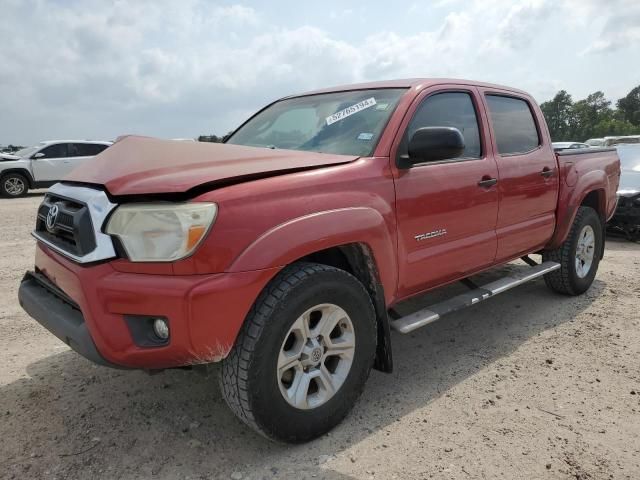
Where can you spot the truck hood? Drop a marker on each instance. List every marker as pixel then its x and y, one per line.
pixel 143 165
pixel 5 157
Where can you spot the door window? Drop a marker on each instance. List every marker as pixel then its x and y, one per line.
pixel 450 109
pixel 88 149
pixel 73 150
pixel 513 125
pixel 59 150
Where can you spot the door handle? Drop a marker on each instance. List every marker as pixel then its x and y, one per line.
pixel 546 172
pixel 487 182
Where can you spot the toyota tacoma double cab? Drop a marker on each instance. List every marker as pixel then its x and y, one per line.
pixel 283 252
pixel 44 164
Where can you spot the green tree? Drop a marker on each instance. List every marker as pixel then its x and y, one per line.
pixel 613 127
pixel 592 116
pixel 629 107
pixel 588 113
pixel 557 113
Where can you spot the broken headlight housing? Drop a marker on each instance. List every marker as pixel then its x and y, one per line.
pixel 161 232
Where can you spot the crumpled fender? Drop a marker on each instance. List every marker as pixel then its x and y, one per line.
pixel 304 235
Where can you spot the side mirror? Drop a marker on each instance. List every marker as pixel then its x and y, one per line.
pixel 38 155
pixel 430 144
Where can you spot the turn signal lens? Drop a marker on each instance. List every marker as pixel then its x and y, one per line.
pixel 195 235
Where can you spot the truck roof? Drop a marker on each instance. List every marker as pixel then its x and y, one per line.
pixel 415 83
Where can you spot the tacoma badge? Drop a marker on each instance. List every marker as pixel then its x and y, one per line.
pixel 428 235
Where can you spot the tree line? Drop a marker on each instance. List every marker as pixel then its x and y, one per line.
pixel 592 117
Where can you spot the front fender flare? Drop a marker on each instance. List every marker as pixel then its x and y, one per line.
pixel 302 236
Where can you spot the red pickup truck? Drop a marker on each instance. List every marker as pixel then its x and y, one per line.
pixel 283 251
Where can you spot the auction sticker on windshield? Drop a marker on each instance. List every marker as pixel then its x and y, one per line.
pixel 347 112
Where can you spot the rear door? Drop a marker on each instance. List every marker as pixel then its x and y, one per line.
pixel 54 165
pixel 446 217
pixel 528 186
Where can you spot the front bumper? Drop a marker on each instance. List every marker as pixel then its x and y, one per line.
pixel 58 314
pixel 86 306
pixel 627 210
pixel 626 218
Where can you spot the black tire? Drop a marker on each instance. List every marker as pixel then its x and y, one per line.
pixel 248 380
pixel 566 280
pixel 10 181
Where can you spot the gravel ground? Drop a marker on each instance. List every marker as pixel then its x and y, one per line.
pixel 527 385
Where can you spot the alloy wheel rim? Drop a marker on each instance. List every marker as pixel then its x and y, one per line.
pixel 14 186
pixel 316 356
pixel 585 251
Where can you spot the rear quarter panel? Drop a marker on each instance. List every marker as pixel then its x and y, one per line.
pixel 581 173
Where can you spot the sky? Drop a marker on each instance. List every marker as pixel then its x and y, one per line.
pixel 177 69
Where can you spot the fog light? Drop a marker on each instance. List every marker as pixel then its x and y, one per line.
pixel 160 328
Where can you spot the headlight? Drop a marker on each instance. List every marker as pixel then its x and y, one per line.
pixel 161 232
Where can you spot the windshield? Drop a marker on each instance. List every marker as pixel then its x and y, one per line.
pixel 27 152
pixel 345 123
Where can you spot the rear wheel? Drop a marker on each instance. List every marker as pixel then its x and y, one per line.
pixel 303 355
pixel 14 185
pixel 578 256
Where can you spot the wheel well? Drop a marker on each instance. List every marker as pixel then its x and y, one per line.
pixel 358 260
pixel 21 171
pixel 595 200
pixel 354 258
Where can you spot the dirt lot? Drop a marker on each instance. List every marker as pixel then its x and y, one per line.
pixel 527 385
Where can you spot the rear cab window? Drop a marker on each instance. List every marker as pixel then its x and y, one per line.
pixel 514 125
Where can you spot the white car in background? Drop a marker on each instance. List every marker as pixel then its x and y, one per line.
pixel 622 140
pixel 595 142
pixel 568 145
pixel 44 164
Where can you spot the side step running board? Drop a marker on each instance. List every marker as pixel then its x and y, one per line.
pixel 434 312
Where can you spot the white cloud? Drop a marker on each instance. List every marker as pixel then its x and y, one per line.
pixel 177 69
pixel 518 24
pixel 621 30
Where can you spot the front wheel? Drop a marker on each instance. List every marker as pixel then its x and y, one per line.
pixel 14 185
pixel 303 355
pixel 578 256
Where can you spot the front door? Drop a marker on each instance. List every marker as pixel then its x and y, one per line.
pixel 54 165
pixel 446 210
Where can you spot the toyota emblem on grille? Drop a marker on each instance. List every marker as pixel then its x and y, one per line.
pixel 52 216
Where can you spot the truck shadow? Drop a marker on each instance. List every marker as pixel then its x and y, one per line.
pixel 73 419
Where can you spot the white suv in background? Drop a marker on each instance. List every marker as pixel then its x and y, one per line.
pixel 44 164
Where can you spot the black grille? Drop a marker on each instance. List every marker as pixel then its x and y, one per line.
pixel 71 230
